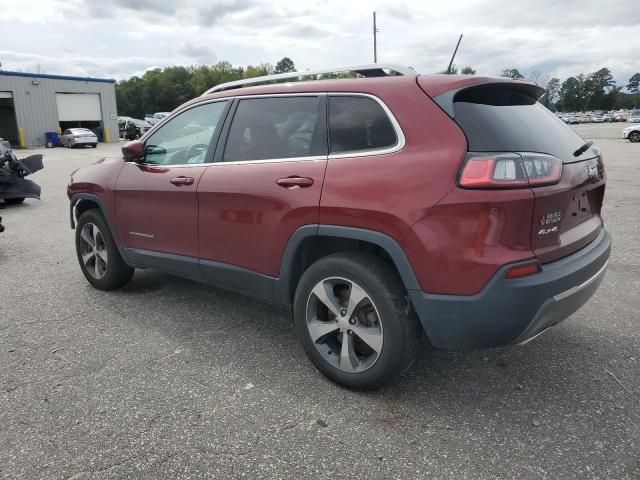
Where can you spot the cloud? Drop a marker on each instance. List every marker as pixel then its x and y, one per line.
pixel 123 37
pixel 546 14
pixel 303 30
pixel 398 11
pixel 82 66
pixel 163 7
pixel 201 12
pixel 200 53
pixel 212 11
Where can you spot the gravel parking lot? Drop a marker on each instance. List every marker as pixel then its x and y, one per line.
pixel 172 379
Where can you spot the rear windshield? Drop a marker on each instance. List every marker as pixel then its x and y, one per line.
pixel 499 118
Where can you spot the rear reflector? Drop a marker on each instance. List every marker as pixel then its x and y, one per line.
pixel 509 170
pixel 523 270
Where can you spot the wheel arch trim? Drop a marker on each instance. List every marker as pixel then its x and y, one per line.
pixel 79 197
pixel 387 243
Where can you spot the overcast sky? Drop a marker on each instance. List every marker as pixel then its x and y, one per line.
pixel 121 38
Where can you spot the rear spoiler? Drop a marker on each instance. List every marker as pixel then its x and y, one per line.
pixel 491 93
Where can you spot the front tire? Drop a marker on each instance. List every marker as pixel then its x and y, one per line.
pixel 98 255
pixel 354 320
pixel 13 201
pixel 634 137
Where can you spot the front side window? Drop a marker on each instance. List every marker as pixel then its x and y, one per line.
pixel 185 138
pixel 271 128
pixel 358 123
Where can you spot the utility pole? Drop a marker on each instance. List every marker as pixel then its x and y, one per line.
pixel 375 39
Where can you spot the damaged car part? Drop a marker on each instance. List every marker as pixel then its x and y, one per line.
pixel 14 187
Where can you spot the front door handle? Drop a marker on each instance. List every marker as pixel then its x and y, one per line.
pixel 178 181
pixel 291 182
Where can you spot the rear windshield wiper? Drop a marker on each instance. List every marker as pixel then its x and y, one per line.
pixel 583 149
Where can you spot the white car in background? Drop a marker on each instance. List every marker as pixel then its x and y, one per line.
pixel 634 116
pixel 78 137
pixel 632 133
pixel 156 117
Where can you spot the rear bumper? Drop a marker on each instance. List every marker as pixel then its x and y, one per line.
pixel 85 141
pixel 514 311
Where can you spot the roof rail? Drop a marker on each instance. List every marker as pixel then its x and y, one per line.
pixel 369 70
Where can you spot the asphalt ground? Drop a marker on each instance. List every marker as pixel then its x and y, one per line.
pixel 168 378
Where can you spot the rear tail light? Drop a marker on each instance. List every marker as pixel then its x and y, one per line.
pixel 509 170
pixel 523 270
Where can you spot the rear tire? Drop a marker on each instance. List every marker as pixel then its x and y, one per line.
pixel 634 137
pixel 383 333
pixel 98 255
pixel 14 201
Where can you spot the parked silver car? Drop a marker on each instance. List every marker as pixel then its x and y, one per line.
pixel 78 137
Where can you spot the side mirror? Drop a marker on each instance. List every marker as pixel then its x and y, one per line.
pixel 133 150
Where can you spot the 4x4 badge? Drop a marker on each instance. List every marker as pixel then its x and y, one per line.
pixel 547 231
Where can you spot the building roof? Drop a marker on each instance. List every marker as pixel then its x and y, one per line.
pixel 55 77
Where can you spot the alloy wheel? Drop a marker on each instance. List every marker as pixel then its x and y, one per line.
pixel 93 251
pixel 344 325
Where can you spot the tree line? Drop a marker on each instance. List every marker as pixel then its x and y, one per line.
pixel 162 90
pixel 593 91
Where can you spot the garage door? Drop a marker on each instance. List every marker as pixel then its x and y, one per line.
pixel 73 107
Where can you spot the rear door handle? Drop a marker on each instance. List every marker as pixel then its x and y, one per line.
pixel 291 182
pixel 182 181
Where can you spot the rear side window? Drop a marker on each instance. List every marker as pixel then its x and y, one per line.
pixel 504 118
pixel 358 123
pixel 271 128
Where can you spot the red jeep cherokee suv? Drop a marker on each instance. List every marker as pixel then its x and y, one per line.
pixel 376 207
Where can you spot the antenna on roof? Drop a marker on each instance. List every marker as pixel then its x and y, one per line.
pixel 454 55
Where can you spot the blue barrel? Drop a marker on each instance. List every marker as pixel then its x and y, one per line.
pixel 52 139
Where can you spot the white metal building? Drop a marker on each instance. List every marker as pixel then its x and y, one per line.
pixel 32 104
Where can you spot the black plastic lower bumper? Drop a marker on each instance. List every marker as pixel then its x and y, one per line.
pixel 509 311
